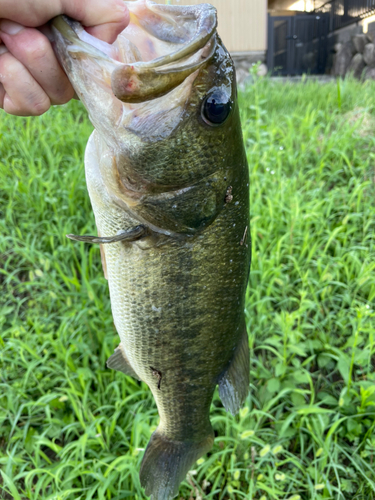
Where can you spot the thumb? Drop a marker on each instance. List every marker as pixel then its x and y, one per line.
pixel 104 19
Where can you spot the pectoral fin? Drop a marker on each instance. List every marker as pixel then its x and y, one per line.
pixel 129 235
pixel 234 382
pixel 118 361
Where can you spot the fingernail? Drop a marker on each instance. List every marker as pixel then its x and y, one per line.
pixel 119 5
pixel 122 7
pixel 9 27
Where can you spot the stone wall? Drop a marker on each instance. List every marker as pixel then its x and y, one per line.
pixel 355 56
pixel 244 60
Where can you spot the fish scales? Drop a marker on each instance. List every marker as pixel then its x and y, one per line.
pixel 167 176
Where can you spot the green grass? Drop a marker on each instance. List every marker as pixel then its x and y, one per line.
pixel 70 429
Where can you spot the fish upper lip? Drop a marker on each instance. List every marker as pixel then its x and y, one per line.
pixel 74 32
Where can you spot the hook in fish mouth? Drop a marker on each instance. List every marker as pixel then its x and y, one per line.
pixel 147 61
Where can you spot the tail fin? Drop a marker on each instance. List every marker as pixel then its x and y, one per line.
pixel 234 383
pixel 166 463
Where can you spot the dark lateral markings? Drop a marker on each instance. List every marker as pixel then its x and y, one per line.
pixel 158 374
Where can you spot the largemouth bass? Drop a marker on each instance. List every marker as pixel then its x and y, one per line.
pixel 167 177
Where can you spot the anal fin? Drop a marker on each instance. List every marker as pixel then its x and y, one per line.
pixel 118 361
pixel 234 382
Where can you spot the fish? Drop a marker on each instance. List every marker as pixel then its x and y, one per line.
pixel 168 180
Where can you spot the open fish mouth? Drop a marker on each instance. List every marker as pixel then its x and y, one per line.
pixel 161 47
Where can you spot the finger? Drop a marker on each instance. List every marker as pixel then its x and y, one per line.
pixel 23 96
pixel 3 49
pixel 104 19
pixel 2 95
pixel 35 52
pixel 107 32
pixel 89 12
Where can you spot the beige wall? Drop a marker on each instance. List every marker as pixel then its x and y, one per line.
pixel 242 23
pixel 297 5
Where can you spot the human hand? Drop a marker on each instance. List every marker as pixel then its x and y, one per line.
pixel 31 78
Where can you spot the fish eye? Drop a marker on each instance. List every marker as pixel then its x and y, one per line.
pixel 216 107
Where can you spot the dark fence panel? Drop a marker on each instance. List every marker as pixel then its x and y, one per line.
pixel 345 12
pixel 297 44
